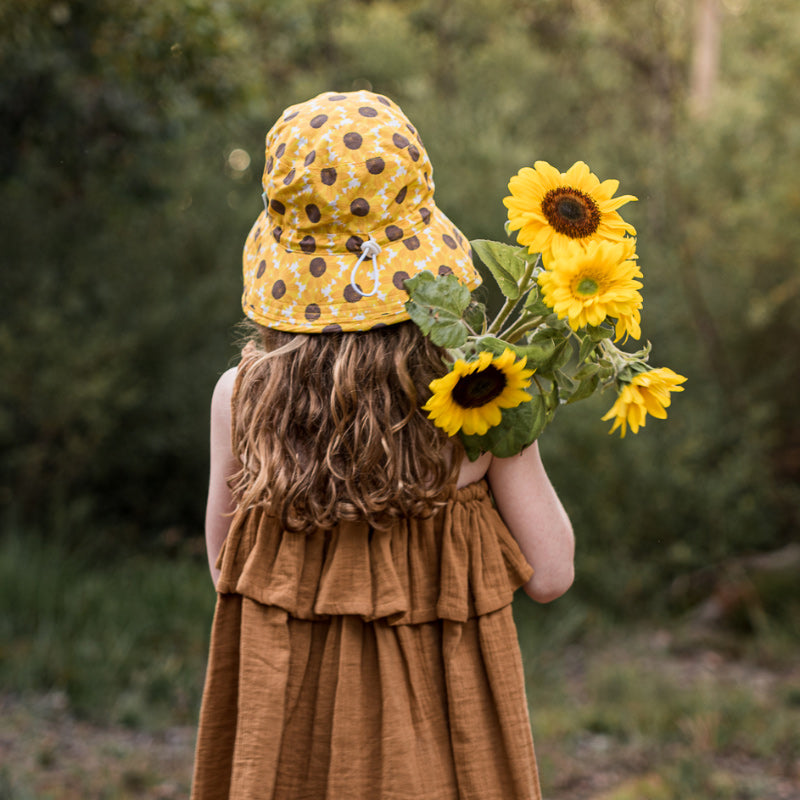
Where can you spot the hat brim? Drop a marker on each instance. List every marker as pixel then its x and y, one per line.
pixel 311 292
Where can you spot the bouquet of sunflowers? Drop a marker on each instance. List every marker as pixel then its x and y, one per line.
pixel 571 292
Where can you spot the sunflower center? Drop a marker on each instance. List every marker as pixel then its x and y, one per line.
pixel 479 388
pixel 587 287
pixel 571 212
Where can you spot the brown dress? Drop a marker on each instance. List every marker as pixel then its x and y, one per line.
pixel 358 664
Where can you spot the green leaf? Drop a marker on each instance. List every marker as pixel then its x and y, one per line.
pixel 442 291
pixel 535 305
pixel 520 427
pixel 505 262
pixel 494 345
pixel 599 333
pixel 565 382
pixel 475 316
pixel 586 371
pixel 443 327
pixel 436 305
pixel 559 357
pixel 586 388
pixel 587 346
pixel 536 353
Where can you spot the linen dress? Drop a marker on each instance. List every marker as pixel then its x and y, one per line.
pixel 363 664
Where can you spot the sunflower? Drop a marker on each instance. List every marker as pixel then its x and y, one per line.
pixel 548 206
pixel 470 396
pixel 587 284
pixel 647 393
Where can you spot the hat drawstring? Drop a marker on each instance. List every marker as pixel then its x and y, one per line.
pixel 264 198
pixel 370 249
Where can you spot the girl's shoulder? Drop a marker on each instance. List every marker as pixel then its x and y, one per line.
pixel 223 391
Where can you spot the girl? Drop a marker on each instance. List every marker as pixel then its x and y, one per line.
pixel 363 644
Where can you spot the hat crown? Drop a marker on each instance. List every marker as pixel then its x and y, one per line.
pixel 341 168
pixel 349 217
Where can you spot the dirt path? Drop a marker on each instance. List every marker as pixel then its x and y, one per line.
pixel 49 755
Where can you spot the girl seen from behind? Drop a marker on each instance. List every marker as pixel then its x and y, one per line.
pixel 363 644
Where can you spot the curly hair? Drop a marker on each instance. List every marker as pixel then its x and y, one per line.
pixel 328 427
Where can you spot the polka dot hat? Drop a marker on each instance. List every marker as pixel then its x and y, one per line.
pixel 348 216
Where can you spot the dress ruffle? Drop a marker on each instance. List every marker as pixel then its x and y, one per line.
pixel 455 565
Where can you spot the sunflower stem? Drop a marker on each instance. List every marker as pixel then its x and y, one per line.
pixel 521 327
pixel 509 305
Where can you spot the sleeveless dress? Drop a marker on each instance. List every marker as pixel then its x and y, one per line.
pixel 357 664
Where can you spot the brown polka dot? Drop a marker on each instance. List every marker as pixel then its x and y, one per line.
pixel 276 232
pixel 427 179
pixel 334 97
pixel 359 207
pixel 278 289
pixel 401 195
pixel 393 233
pixel 262 265
pixel 277 206
pixel 313 213
pixel 375 165
pixel 353 244
pixel 257 234
pixel 398 278
pixel 426 215
pixel 449 241
pixel 400 140
pixel 290 116
pixel 307 244
pixel 280 151
pixel 458 236
pixel 289 177
pixel 412 243
pixel 310 158
pixel 378 325
pixel 366 111
pixel 413 152
pixel 317 266
pixel 318 121
pixel 332 328
pixel 410 127
pixel 270 164
pixel 383 100
pixel 353 140
pixel 445 270
pixel 328 176
pixel 312 312
pixel 351 295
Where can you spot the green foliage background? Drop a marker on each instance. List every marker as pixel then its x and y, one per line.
pixel 122 219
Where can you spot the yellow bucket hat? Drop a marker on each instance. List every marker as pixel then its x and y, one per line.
pixel 348 217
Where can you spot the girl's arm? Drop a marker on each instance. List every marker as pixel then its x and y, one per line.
pixel 223 464
pixel 533 513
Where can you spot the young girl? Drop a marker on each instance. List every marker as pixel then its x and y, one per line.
pixel 363 644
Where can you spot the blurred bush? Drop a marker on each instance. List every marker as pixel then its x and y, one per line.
pixel 123 213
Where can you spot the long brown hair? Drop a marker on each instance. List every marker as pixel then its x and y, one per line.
pixel 328 427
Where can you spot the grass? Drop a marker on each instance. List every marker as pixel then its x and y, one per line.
pixel 124 642
pixel 660 711
pixel 102 663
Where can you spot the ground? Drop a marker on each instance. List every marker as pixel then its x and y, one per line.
pixel 645 716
